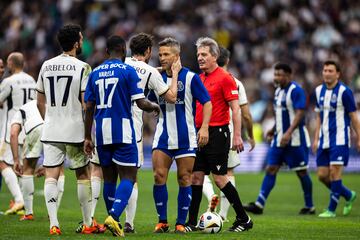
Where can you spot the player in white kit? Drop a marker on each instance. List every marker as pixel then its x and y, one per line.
pixel 15 90
pixel 29 119
pixel 61 85
pixel 2 71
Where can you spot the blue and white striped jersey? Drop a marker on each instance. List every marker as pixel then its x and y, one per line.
pixel 176 125
pixel 286 102
pixel 113 86
pixel 334 106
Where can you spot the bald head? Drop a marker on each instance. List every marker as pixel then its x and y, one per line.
pixel 15 61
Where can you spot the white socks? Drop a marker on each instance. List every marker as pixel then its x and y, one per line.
pixel 60 186
pixel 224 203
pixel 95 192
pixel 130 209
pixel 208 189
pixel 27 186
pixel 51 196
pixel 12 184
pixel 84 196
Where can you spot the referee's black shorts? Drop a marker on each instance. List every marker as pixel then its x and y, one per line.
pixel 214 156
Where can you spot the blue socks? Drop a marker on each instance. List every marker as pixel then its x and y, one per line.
pixel 160 195
pixel 266 187
pixel 306 185
pixel 336 187
pixel 109 194
pixel 345 192
pixel 122 196
pixel 184 200
pixel 337 190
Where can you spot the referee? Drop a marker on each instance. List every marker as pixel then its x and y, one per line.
pixel 214 156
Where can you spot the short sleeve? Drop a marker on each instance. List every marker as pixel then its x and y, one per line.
pixel 157 83
pixel 229 88
pixel 5 89
pixel 298 98
pixel 90 90
pixel 198 90
pixel 317 97
pixel 85 76
pixel 242 94
pixel 40 81
pixel 348 101
pixel 135 91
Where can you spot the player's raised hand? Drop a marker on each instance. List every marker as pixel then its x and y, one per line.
pixel 89 147
pixel 176 66
pixel 203 136
pixel 238 144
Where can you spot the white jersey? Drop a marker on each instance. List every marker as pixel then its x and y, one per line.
pixel 15 91
pixel 242 100
pixel 150 79
pixel 28 116
pixel 62 79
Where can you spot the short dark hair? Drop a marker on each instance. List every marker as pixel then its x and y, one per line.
pixel 116 44
pixel 68 35
pixel 140 43
pixel 283 66
pixel 223 57
pixel 332 62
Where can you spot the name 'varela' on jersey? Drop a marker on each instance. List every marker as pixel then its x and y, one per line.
pixel 62 79
pixel 113 86
pixel 15 91
pixel 150 79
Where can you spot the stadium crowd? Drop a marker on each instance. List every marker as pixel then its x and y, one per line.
pixel 257 33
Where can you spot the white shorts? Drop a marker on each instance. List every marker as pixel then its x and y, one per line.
pixel 6 154
pixel 55 153
pixel 32 145
pixel 234 159
pixel 140 148
pixel 95 158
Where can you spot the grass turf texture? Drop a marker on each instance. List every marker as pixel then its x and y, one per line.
pixel 279 221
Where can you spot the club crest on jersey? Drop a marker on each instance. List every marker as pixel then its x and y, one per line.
pixel 180 86
pixel 333 98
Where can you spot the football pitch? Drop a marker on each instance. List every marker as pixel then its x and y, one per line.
pixel 279 221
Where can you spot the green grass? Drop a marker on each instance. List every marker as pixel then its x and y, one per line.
pixel 279 221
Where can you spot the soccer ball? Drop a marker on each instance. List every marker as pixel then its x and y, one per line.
pixel 210 222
